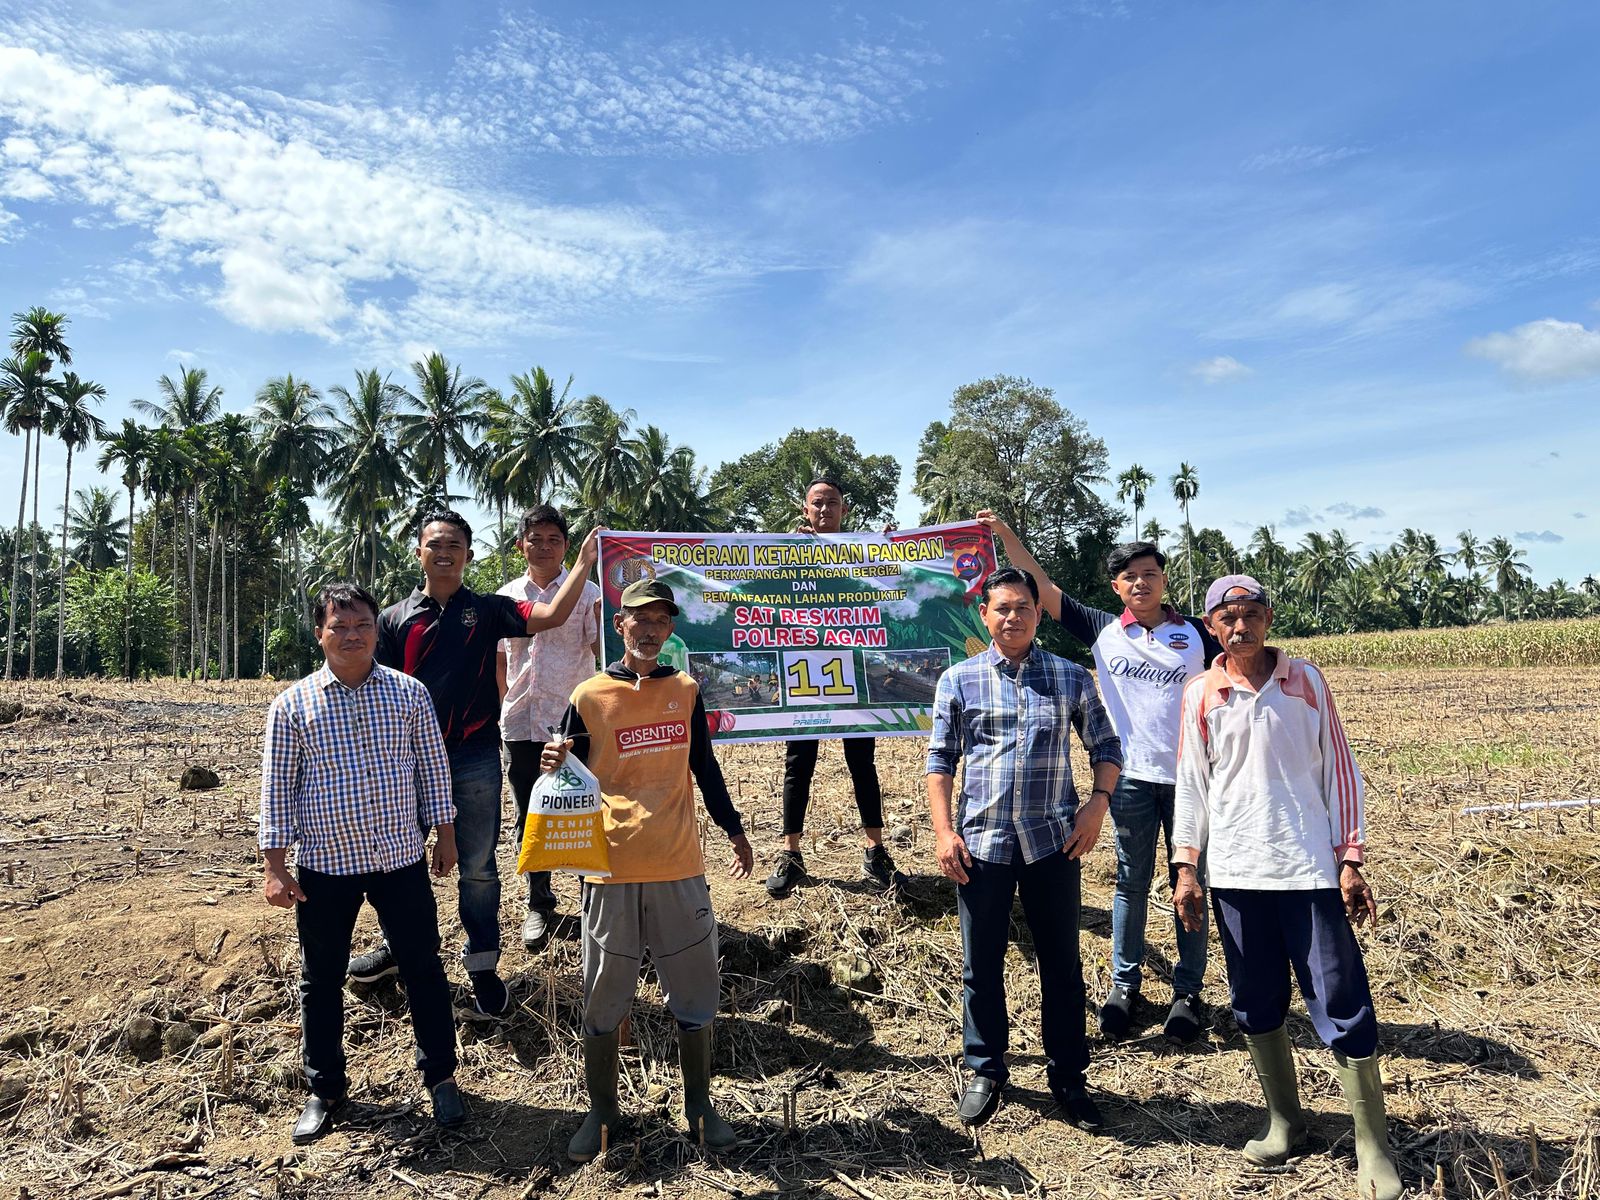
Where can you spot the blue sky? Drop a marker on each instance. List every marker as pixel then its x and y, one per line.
pixel 1342 258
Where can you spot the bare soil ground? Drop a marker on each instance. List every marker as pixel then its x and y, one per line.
pixel 148 1036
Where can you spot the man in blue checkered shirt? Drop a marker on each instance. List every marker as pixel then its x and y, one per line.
pixel 1019 828
pixel 353 774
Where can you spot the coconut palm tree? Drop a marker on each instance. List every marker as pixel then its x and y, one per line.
pixel 1153 532
pixel 1469 552
pixel 450 411
pixel 536 435
pixel 98 539
pixel 26 396
pixel 1185 487
pixel 366 470
pixel 609 482
pixel 1509 574
pixel 70 420
pixel 1134 484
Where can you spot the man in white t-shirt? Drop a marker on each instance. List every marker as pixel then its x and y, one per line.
pixel 1269 791
pixel 537 676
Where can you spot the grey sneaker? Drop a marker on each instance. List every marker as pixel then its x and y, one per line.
pixel 536 930
pixel 373 965
pixel 877 867
pixel 788 872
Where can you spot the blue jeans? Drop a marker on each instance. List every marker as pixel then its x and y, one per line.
pixel 1139 809
pixel 475 777
pixel 1051 894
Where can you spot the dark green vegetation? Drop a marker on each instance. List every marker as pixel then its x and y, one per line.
pixel 226 522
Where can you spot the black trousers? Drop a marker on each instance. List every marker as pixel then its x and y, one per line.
pixel 1051 890
pixel 800 764
pixel 326 920
pixel 522 770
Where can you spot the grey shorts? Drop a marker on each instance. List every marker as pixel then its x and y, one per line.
pixel 675 923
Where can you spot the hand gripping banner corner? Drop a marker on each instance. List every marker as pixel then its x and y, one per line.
pixel 798 635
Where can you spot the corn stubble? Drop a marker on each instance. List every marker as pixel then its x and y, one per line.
pixel 149 1039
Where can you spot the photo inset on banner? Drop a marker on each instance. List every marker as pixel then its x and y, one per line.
pixel 904 676
pixel 733 680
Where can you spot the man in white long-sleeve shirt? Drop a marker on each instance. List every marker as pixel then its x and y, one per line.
pixel 1269 790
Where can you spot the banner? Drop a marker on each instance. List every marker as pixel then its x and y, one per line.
pixel 798 635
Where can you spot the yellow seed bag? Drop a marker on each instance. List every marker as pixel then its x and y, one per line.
pixel 565 830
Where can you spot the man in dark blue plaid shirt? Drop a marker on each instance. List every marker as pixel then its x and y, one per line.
pixel 353 774
pixel 1019 828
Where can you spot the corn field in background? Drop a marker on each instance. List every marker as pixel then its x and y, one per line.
pixel 1522 644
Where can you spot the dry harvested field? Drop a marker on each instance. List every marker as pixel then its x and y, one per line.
pixel 148 1042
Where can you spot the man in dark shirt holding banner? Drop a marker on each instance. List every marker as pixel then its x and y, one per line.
pixel 448 636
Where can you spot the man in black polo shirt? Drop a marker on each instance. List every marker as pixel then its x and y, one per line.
pixel 448 636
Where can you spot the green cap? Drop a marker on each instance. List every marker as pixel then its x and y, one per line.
pixel 648 591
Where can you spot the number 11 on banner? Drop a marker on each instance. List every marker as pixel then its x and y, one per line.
pixel 819 677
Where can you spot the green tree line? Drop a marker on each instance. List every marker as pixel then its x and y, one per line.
pixel 202 561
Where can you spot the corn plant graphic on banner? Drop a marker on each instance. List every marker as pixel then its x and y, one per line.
pixel 565 830
pixel 798 635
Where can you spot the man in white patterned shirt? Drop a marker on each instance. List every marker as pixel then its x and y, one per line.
pixel 537 677
pixel 353 773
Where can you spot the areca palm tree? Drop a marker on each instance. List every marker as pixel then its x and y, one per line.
pixel 169 472
pixel 188 402
pixel 72 421
pixel 366 469
pixel 98 539
pixel 40 331
pixel 26 394
pixel 234 494
pixel 128 449
pixel 293 438
pixel 1134 484
pixel 450 411
pixel 1185 487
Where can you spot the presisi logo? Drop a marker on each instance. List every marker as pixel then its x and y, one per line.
pixel 469 617
pixel 638 739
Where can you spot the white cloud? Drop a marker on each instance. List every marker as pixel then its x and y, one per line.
pixel 1538 535
pixel 303 239
pixel 1224 368
pixel 542 88
pixel 1354 512
pixel 1543 350
pixel 1301 158
pixel 1296 518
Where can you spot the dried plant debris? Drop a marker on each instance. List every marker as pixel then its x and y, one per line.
pixel 149 1043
